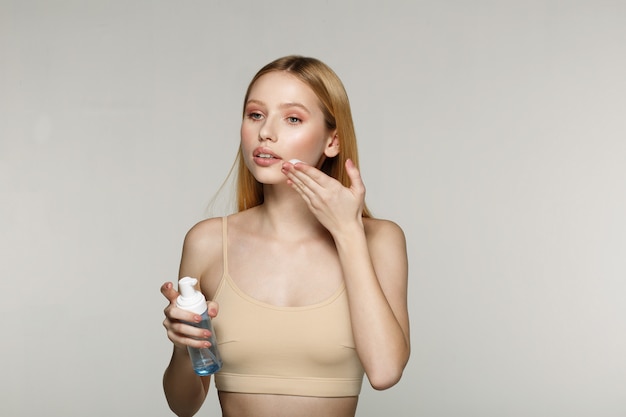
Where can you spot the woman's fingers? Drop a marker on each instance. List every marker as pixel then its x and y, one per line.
pixel 213 308
pixel 179 323
pixel 185 334
pixel 355 177
pixel 309 181
pixel 173 312
pixel 308 176
pixel 182 333
pixel 169 292
pixel 314 185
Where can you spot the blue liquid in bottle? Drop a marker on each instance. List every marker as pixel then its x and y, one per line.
pixel 205 361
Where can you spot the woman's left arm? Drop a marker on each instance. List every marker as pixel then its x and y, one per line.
pixel 373 257
pixel 375 268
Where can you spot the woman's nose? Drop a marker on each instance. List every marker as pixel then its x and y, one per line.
pixel 267 132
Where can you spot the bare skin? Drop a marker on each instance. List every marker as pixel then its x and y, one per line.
pixel 308 223
pixel 262 251
pixel 260 405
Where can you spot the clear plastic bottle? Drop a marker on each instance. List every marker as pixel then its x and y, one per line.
pixel 205 361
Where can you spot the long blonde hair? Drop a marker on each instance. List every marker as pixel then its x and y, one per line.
pixel 337 114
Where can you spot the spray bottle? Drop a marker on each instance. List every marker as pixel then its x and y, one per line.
pixel 205 361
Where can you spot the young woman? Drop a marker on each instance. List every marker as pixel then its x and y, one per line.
pixel 311 290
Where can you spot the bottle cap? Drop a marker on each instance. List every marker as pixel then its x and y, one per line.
pixel 190 299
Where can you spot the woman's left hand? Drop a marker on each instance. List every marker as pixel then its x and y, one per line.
pixel 334 205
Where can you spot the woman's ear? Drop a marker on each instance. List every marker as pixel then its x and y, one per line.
pixel 332 147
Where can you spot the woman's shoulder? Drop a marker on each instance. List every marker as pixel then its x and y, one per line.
pixel 204 232
pixel 385 239
pixel 208 233
pixel 388 250
pixel 377 229
pixel 202 254
pixel 203 242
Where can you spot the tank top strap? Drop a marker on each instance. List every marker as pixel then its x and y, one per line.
pixel 225 244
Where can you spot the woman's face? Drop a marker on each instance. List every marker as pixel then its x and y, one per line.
pixel 282 121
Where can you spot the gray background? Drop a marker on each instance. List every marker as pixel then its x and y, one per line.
pixel 492 132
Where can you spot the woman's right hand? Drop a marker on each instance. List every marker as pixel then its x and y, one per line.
pixel 176 321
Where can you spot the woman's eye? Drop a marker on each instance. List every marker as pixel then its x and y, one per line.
pixel 255 116
pixel 293 120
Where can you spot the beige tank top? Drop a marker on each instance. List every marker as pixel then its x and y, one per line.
pixel 267 349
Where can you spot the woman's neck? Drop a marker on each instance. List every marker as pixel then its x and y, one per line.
pixel 286 213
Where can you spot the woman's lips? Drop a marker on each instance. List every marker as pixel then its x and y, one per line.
pixel 265 157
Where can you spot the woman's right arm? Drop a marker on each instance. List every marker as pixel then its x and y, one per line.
pixel 186 391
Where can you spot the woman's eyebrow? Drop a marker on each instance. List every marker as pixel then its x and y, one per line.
pixel 282 106
pixel 253 101
pixel 295 104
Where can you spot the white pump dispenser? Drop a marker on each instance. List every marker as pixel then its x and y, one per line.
pixel 205 361
pixel 190 299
